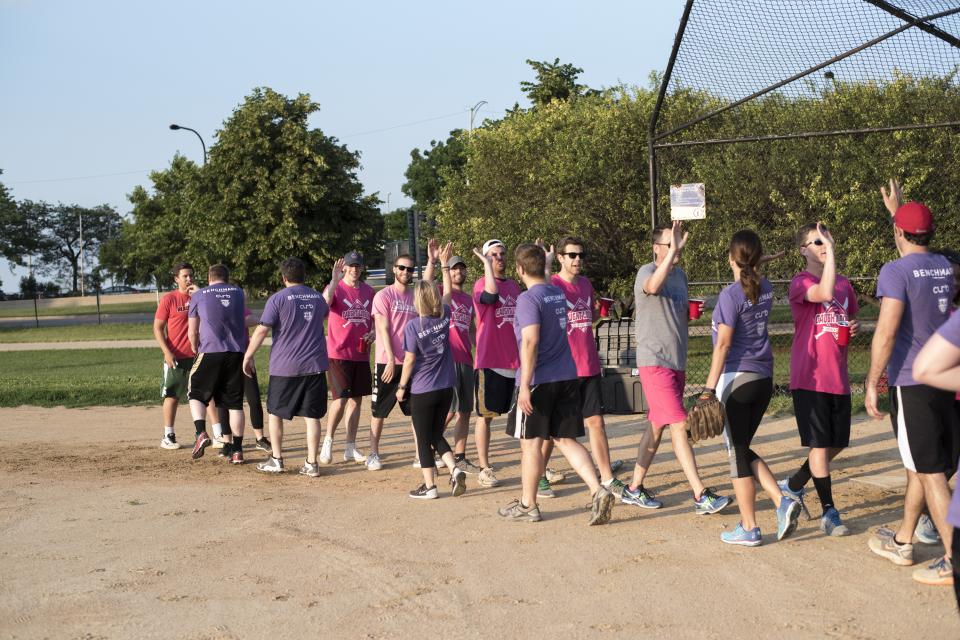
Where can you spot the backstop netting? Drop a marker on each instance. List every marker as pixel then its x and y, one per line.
pixel 793 111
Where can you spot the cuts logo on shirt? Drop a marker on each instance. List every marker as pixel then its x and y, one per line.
pixel 356 312
pixel 506 311
pixel 579 315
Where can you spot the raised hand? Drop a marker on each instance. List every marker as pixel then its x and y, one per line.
pixel 679 239
pixel 446 252
pixel 771 257
pixel 894 198
pixel 824 235
pixel 337 272
pixel 486 259
pixel 550 253
pixel 433 250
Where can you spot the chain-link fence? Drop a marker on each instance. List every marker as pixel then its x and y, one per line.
pixel 616 340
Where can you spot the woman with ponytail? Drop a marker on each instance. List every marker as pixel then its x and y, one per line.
pixel 741 375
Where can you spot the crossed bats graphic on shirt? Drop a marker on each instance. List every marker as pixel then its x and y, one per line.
pixel 504 303
pixel 826 307
pixel 365 304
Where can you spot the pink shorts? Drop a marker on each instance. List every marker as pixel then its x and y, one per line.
pixel 663 389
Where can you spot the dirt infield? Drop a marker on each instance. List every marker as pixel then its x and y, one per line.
pixel 104 535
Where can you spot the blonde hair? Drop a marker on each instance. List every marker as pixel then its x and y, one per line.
pixel 426 299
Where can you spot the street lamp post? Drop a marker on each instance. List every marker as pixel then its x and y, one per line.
pixel 177 127
pixel 473 112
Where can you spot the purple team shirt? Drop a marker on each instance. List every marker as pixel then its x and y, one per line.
pixel 220 309
pixel 923 282
pixel 295 316
pixel 546 305
pixel 750 349
pixel 950 332
pixel 429 340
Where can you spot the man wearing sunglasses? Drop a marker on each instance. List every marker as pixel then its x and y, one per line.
pixel 581 312
pixel 497 359
pixel 392 309
pixel 661 302
pixel 823 305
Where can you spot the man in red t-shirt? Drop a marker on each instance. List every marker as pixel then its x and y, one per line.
pixel 170 331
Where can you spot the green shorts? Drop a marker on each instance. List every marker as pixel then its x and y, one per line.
pixel 176 380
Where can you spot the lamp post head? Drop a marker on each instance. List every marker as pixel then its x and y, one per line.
pixel 174 127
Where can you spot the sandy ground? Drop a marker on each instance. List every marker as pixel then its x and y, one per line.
pixel 104 535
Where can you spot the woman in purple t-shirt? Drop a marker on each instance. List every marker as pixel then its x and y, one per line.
pixel 429 372
pixel 741 374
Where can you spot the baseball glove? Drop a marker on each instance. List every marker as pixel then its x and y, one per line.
pixel 705 417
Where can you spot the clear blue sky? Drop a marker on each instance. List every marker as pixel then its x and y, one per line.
pixel 90 87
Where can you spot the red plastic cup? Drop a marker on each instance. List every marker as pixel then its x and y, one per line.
pixel 843 335
pixel 362 346
pixel 695 306
pixel 605 304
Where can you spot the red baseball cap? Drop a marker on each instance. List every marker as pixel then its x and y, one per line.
pixel 914 217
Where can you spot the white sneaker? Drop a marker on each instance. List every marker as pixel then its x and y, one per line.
pixel 486 478
pixel 352 454
pixel 218 442
pixel 326 451
pixel 272 465
pixel 169 442
pixel 373 462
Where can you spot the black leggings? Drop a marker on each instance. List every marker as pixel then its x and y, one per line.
pixel 429 412
pixel 251 391
pixel 745 399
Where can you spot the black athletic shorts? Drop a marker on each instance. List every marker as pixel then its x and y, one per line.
pixel 297 396
pixel 494 393
pixel 927 428
pixel 349 379
pixel 556 412
pixel 823 419
pixel 591 397
pixel 218 376
pixel 464 388
pixel 385 394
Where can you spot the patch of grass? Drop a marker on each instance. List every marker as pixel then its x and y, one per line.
pixel 90 309
pixel 78 333
pixel 87 378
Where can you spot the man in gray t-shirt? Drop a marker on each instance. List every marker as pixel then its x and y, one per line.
pixel 660 297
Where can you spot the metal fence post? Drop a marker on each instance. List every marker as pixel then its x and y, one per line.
pixel 36 313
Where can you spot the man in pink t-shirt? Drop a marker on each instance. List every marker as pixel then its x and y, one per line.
pixel 583 346
pixel 392 309
pixel 349 334
pixel 823 305
pixel 497 360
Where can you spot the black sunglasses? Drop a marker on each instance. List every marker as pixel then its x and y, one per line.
pixel 817 242
pixel 573 255
pixel 403 267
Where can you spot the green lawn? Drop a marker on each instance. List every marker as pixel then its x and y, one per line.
pixel 85 378
pixel 78 333
pixel 90 308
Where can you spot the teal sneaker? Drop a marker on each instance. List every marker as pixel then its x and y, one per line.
pixel 640 497
pixel 544 490
pixel 787 515
pixel 709 502
pixel 742 537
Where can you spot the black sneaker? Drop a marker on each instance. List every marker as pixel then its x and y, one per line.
pixel 264 445
pixel 423 493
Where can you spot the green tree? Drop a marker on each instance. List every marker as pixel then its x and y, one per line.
pixel 430 170
pixel 20 233
pixel 395 224
pixel 554 81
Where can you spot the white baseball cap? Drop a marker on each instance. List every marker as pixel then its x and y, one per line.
pixel 490 244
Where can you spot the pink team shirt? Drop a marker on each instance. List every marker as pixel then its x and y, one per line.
pixel 580 324
pixel 461 313
pixel 398 309
pixel 817 362
pixel 496 343
pixel 351 318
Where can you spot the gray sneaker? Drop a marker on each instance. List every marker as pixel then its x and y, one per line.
pixel 616 465
pixel 458 482
pixel 883 544
pixel 272 465
pixel 514 511
pixel 554 477
pixel 616 487
pixel 602 507
pixel 926 531
pixel 312 470
pixel 468 467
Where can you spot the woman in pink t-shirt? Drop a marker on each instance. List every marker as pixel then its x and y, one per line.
pixel 824 306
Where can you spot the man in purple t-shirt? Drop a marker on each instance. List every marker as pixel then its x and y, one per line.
pixel 298 363
pixel 547 398
pixel 217 334
pixel 938 365
pixel 916 291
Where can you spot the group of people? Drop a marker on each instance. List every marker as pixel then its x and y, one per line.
pixel 443 353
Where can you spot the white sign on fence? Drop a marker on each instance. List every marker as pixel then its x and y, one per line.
pixel 688 201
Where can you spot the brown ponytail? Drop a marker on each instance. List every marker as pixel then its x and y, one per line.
pixel 745 251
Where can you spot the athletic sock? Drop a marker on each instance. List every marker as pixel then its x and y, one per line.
pixel 218 430
pixel 824 492
pixel 238 443
pixel 200 425
pixel 167 431
pixel 459 457
pixel 606 483
pixel 800 479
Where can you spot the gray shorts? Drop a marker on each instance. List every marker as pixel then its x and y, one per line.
pixel 463 390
